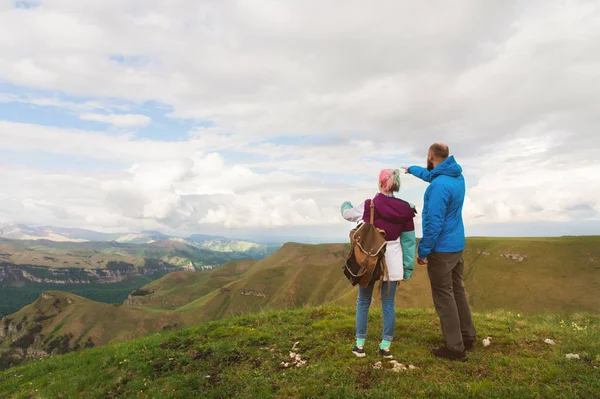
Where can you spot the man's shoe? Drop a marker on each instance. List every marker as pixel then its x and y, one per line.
pixel 358 352
pixel 469 345
pixel 386 353
pixel 446 353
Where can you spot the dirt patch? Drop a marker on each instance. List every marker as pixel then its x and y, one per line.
pixel 481 372
pixel 364 379
pixel 177 343
pixel 164 366
pixel 213 377
pixel 197 355
pixel 234 358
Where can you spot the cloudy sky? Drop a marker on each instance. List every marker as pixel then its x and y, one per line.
pixel 260 117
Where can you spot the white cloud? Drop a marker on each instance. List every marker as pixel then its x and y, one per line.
pixel 256 210
pixel 26 137
pixel 119 120
pixel 512 87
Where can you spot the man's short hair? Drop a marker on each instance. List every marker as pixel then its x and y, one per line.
pixel 440 150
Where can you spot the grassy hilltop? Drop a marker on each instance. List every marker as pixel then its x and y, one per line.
pixel 245 357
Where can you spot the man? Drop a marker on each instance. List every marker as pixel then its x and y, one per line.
pixel 441 249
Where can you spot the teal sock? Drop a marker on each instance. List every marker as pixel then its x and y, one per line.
pixel 360 342
pixel 385 344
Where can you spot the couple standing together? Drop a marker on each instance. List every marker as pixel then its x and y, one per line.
pixel 440 249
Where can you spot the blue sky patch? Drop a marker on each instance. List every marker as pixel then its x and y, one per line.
pixel 26 4
pixel 63 111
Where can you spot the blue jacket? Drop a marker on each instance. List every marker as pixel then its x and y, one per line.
pixel 443 228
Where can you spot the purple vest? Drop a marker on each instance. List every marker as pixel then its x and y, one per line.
pixel 392 215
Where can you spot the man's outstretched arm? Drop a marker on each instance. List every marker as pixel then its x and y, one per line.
pixel 419 172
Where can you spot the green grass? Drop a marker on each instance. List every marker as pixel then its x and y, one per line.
pixel 241 357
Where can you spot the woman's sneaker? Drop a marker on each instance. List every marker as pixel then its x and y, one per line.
pixel 358 351
pixel 386 353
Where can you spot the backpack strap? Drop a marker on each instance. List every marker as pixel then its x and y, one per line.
pixel 387 276
pixel 361 272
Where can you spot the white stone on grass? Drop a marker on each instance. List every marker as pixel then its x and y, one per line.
pixel 396 366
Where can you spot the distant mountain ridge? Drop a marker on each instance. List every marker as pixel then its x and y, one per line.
pixel 75 235
pixel 24 232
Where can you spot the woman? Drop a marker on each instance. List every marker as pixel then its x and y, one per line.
pixel 395 217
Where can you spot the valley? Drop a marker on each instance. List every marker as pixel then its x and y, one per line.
pixel 105 271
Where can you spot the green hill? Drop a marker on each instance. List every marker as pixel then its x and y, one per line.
pixel 14 298
pixel 533 274
pixel 296 275
pixel 58 322
pixel 245 357
pixel 180 288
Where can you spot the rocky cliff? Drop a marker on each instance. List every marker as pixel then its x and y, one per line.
pixel 10 272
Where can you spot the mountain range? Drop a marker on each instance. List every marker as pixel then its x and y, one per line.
pixel 63 234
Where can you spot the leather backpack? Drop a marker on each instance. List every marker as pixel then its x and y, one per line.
pixel 365 262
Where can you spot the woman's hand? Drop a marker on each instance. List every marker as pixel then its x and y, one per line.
pixel 346 205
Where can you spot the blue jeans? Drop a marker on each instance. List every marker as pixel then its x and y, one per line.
pixel 387 305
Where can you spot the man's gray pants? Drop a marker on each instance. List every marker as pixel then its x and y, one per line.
pixel 445 270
